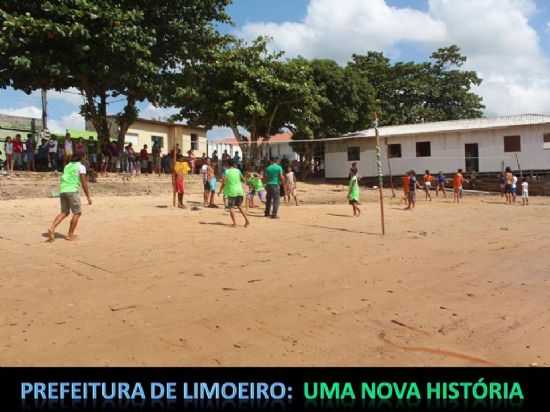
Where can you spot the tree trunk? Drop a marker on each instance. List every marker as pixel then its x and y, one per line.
pixel 308 157
pixel 97 113
pixel 125 120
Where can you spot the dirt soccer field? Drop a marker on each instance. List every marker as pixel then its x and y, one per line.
pixel 147 284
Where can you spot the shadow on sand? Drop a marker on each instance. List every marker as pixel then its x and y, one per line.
pixel 339 229
pixel 56 236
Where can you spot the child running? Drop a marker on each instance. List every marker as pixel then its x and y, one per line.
pixel 181 169
pixel 428 179
pixel 525 192
pixel 232 188
pixel 212 183
pixel 458 182
pixel 255 186
pixel 290 185
pixel 353 193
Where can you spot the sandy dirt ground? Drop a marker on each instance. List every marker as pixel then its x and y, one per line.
pixel 147 284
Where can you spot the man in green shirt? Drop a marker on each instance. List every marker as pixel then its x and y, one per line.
pixel 274 177
pixel 74 176
pixel 232 188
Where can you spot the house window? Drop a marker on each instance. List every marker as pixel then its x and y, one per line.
pixel 394 151
pixel 354 154
pixel 132 138
pixel 159 140
pixel 547 141
pixel 423 149
pixel 512 144
pixel 194 142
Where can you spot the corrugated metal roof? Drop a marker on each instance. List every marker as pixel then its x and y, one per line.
pixel 276 138
pixel 456 126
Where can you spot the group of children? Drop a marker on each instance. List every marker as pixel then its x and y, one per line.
pixel 509 188
pixel 232 182
pixel 411 184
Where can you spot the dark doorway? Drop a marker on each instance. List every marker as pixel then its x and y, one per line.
pixel 472 157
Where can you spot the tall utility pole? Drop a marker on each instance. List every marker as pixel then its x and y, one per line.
pixel 44 109
pixel 380 173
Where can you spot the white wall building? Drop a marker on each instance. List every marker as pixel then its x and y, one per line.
pixel 482 145
pixel 277 146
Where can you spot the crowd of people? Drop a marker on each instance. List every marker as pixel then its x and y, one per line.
pixel 268 184
pixel 227 175
pixel 428 183
pixel 54 153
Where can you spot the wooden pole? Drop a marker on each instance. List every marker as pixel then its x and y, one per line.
pixel 389 169
pixel 519 165
pixel 174 177
pixel 380 174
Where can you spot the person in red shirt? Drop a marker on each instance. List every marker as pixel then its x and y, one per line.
pixel 406 186
pixel 18 152
pixel 458 182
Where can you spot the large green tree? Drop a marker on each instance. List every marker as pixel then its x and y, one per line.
pixel 247 87
pixel 346 104
pixel 414 92
pixel 110 50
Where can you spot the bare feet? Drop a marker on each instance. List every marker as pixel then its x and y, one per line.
pixel 51 235
pixel 247 224
pixel 71 238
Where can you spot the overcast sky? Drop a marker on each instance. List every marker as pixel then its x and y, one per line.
pixel 506 41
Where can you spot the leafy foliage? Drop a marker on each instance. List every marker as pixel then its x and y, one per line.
pixel 246 86
pixel 414 92
pixel 120 49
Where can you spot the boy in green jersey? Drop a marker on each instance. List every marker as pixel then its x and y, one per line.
pixel 353 193
pixel 74 176
pixel 232 188
pixel 255 187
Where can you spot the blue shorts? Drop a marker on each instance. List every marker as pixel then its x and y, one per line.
pixel 213 184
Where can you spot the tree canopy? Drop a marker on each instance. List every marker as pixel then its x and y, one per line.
pixel 247 87
pixel 415 92
pixel 107 49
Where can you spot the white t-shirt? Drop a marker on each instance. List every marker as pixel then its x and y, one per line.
pixel 290 179
pixel 68 147
pixel 52 146
pixel 9 148
pixel 525 187
pixel 204 172
pixel 515 182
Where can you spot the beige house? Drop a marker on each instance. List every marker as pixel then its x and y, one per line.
pixel 147 132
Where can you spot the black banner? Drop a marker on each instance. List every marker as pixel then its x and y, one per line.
pixel 274 389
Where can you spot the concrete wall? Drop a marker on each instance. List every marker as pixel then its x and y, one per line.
pixel 145 131
pixel 277 150
pixel 447 152
pixel 183 138
pixel 221 147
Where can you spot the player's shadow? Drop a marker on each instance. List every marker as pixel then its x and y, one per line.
pixel 55 235
pixel 336 215
pixel 216 224
pixel 340 229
